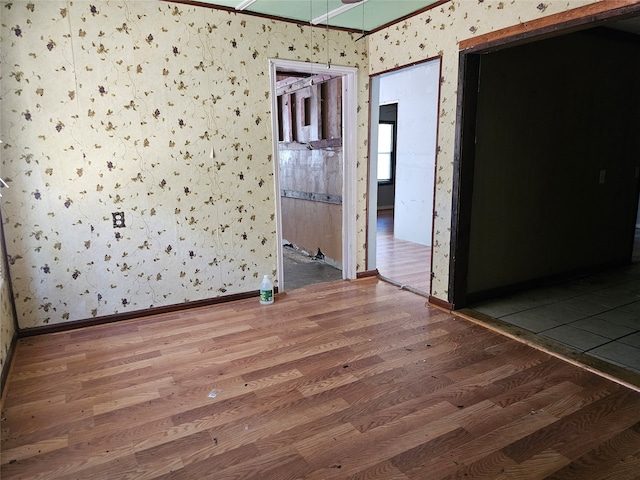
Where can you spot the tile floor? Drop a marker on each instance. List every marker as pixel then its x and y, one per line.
pixel 598 315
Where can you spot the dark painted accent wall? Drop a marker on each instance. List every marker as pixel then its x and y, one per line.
pixel 552 115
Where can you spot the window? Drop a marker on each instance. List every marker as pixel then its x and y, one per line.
pixel 386 151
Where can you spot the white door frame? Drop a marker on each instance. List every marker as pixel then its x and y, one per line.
pixel 372 211
pixel 349 161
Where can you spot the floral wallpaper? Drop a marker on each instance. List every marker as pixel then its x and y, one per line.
pixel 137 144
pixel 7 327
pixel 437 32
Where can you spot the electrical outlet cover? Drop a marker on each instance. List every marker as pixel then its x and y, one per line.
pixel 118 219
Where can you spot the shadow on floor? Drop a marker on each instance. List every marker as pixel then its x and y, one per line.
pixel 301 269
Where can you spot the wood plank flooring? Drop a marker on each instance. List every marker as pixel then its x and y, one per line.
pixel 406 263
pixel 341 380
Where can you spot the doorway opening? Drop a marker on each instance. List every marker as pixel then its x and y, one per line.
pixel 548 180
pixel 313 119
pixel 547 183
pixel 403 136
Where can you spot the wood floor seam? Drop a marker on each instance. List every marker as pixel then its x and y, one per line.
pixel 383 386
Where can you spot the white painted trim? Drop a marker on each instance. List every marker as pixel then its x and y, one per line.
pixel 372 210
pixel 245 4
pixel 325 17
pixel 349 146
pixel 350 163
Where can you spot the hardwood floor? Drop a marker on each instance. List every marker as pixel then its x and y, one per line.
pixel 341 380
pixel 406 263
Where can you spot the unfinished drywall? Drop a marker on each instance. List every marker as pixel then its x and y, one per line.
pixel 311 189
pixel 310 157
pixel 157 111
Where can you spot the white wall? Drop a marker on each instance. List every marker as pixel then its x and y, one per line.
pixel 415 89
pixel 438 32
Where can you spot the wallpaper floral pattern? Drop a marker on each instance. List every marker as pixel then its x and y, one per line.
pixel 156 112
pixel 437 32
pixel 7 327
pixel 161 112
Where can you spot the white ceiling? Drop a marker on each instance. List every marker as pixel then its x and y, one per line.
pixel 364 16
